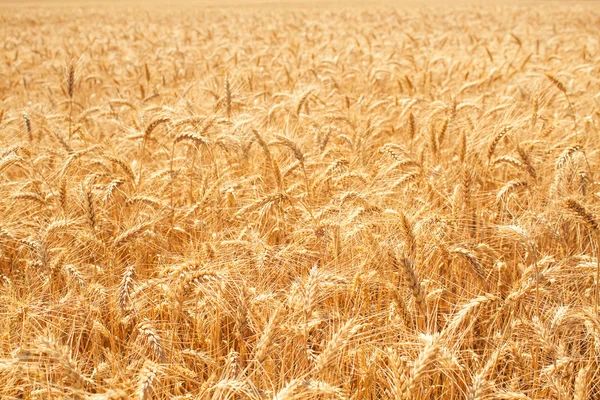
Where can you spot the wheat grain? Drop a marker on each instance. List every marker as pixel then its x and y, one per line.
pixel 294 203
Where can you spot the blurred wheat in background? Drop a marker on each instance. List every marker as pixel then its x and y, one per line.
pixel 296 203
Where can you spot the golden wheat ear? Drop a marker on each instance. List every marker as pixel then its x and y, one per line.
pixel 265 202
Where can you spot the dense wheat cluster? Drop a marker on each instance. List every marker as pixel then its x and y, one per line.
pixel 299 204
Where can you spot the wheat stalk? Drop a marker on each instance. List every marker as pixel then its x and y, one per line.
pixel 299 203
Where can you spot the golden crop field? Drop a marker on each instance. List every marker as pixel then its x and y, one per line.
pixel 296 202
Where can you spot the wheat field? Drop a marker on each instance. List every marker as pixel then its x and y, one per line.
pixel 263 202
